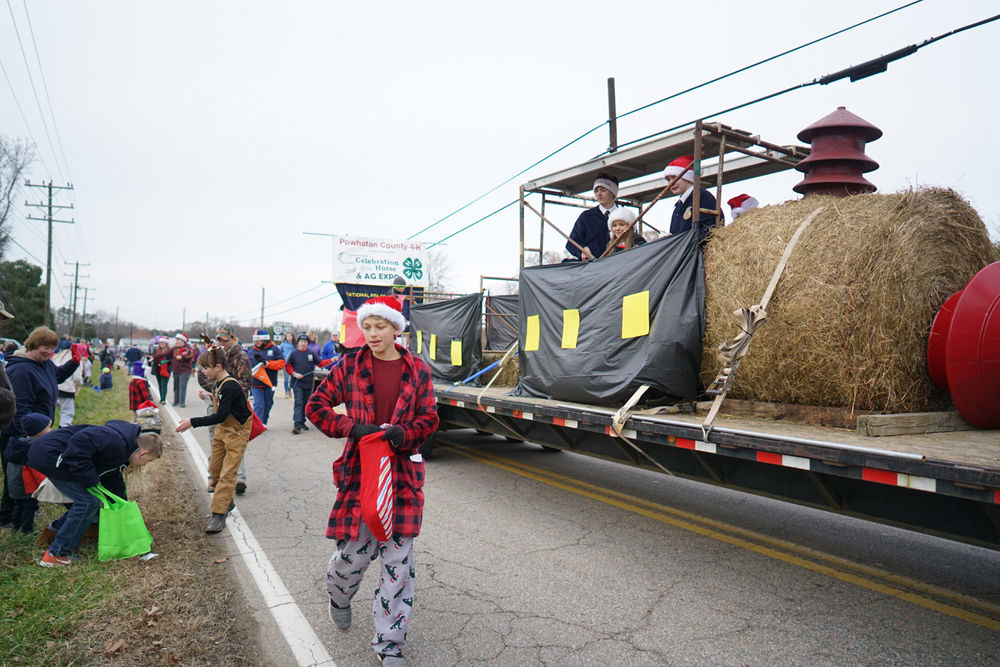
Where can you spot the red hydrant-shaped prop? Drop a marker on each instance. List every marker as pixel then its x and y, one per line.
pixel 963 349
pixel 837 159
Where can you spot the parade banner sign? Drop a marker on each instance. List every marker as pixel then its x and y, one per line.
pixel 367 261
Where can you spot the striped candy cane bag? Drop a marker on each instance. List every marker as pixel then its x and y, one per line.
pixel 378 488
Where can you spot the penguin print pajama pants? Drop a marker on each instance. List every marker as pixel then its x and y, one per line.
pixel 393 601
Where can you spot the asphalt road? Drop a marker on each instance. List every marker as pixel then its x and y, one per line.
pixel 531 557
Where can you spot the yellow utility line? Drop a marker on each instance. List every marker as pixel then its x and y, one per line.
pixel 758 543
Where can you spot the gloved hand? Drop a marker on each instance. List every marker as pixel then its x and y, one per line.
pixel 75 352
pixel 394 436
pixel 359 431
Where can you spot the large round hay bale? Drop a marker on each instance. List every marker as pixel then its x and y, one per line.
pixel 508 374
pixel 848 323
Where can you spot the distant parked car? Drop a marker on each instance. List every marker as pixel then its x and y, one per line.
pixel 5 341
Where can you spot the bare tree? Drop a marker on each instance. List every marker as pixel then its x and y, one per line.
pixel 16 156
pixel 439 270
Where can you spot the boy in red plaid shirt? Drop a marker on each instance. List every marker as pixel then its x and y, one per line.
pixel 384 388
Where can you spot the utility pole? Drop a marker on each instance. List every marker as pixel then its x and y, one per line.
pixel 86 292
pixel 184 319
pixel 612 116
pixel 76 287
pixel 261 307
pixel 48 218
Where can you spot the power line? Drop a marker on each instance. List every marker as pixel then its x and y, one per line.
pixel 20 110
pixel 769 59
pixel 256 310
pixel 34 90
pixel 473 224
pixel 45 88
pixel 646 106
pixel 855 73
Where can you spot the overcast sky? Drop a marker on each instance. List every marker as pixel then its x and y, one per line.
pixel 204 138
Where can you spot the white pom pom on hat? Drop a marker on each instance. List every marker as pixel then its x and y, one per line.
pixel 626 215
pixel 386 307
pixel 677 166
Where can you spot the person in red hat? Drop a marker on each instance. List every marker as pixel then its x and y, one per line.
pixel 181 367
pixel 684 214
pixel 384 389
pixel 740 204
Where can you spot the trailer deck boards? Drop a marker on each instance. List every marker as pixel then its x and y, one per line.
pixel 944 483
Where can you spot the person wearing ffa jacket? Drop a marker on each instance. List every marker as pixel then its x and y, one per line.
pixel 76 458
pixel 681 220
pixel 300 365
pixel 591 228
pixel 383 388
pixel 35 382
pixel 265 352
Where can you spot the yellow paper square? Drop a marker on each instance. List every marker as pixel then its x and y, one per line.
pixel 571 329
pixel 635 315
pixel 531 334
pixel 343 333
pixel 456 353
pixel 420 341
pixel 432 347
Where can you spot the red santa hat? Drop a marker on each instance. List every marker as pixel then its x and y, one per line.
pixel 740 204
pixel 386 307
pixel 182 338
pixel 678 166
pixel 149 406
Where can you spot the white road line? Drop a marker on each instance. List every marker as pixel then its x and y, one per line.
pixel 301 638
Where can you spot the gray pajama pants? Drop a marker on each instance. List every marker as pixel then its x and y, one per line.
pixel 393 601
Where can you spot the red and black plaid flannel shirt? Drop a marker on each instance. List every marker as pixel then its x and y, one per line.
pixel 350 382
pixel 138 392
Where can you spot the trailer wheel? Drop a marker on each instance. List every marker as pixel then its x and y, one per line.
pixel 427 448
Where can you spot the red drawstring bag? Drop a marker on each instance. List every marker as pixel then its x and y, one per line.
pixel 256 425
pixel 378 489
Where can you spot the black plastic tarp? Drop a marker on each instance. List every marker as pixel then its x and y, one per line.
pixel 501 321
pixel 594 332
pixel 446 335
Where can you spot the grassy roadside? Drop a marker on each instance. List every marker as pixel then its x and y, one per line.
pixel 182 607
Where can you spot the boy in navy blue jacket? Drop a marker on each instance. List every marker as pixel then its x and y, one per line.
pixel 76 458
pixel 591 228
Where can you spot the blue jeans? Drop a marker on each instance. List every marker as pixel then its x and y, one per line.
pixel 302 390
pixel 77 519
pixel 288 383
pixel 263 399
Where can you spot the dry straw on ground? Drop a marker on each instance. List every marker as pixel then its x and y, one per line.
pixel 848 323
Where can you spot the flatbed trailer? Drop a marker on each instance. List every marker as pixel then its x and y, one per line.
pixel 946 484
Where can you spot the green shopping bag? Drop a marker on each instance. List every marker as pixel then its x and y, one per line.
pixel 121 531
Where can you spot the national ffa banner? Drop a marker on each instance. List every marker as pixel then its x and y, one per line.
pixel 366 261
pixel 593 332
pixel 354 295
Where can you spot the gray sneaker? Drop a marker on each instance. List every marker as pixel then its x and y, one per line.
pixel 216 523
pixel 340 617
pixel 392 660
